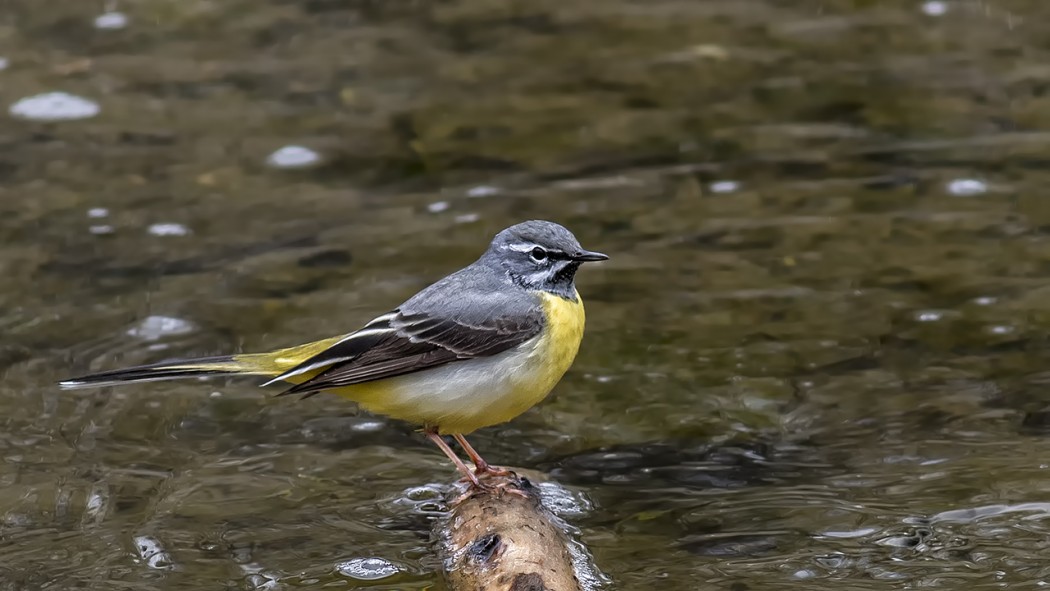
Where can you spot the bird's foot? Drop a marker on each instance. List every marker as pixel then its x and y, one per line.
pixel 485 470
pixel 493 481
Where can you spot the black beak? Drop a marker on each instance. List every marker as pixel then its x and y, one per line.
pixel 587 256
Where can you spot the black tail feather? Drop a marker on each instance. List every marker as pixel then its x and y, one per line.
pixel 167 370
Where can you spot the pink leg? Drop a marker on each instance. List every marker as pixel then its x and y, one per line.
pixel 480 465
pixel 438 441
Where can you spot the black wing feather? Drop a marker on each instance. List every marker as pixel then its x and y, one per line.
pixel 416 342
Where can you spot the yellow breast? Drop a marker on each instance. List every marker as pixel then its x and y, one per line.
pixel 560 340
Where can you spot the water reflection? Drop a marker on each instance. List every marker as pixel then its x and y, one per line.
pixel 816 359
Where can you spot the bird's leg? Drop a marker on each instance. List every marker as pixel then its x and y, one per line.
pixel 432 435
pixel 480 465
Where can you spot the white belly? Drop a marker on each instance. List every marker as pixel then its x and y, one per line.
pixel 463 396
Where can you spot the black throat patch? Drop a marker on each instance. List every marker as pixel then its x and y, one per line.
pixel 562 284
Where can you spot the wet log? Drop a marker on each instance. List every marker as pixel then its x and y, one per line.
pixel 506 540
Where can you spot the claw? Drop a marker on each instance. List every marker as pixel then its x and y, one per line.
pixel 497 489
pixel 492 471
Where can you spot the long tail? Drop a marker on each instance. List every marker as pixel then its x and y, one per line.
pixel 256 364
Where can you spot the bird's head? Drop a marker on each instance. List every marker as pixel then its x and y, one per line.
pixel 541 255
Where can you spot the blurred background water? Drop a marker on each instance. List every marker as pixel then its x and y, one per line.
pixel 816 360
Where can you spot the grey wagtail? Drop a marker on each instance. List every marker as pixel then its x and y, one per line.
pixel 475 349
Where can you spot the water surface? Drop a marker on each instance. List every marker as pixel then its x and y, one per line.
pixel 816 359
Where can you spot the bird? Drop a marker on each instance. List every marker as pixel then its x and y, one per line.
pixel 474 349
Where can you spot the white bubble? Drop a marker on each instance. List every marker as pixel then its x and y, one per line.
pixel 111 20
pixel 293 157
pixel 153 553
pixel 4 63
pixel 97 212
pixel 368 426
pixel 367 569
pixel 934 8
pixel 929 316
pixel 1001 329
pixel 467 218
pixel 437 206
pixel 169 229
pixel 984 301
pixel 425 492
pixel 154 327
pixel 101 229
pixel 261 582
pixel 483 191
pixel 967 187
pixel 724 186
pixel 97 502
pixel 54 106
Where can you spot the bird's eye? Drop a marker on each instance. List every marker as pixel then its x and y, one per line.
pixel 538 254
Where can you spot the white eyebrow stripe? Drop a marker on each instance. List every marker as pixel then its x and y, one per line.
pixel 527 247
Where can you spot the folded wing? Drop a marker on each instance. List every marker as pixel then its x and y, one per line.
pixel 403 342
